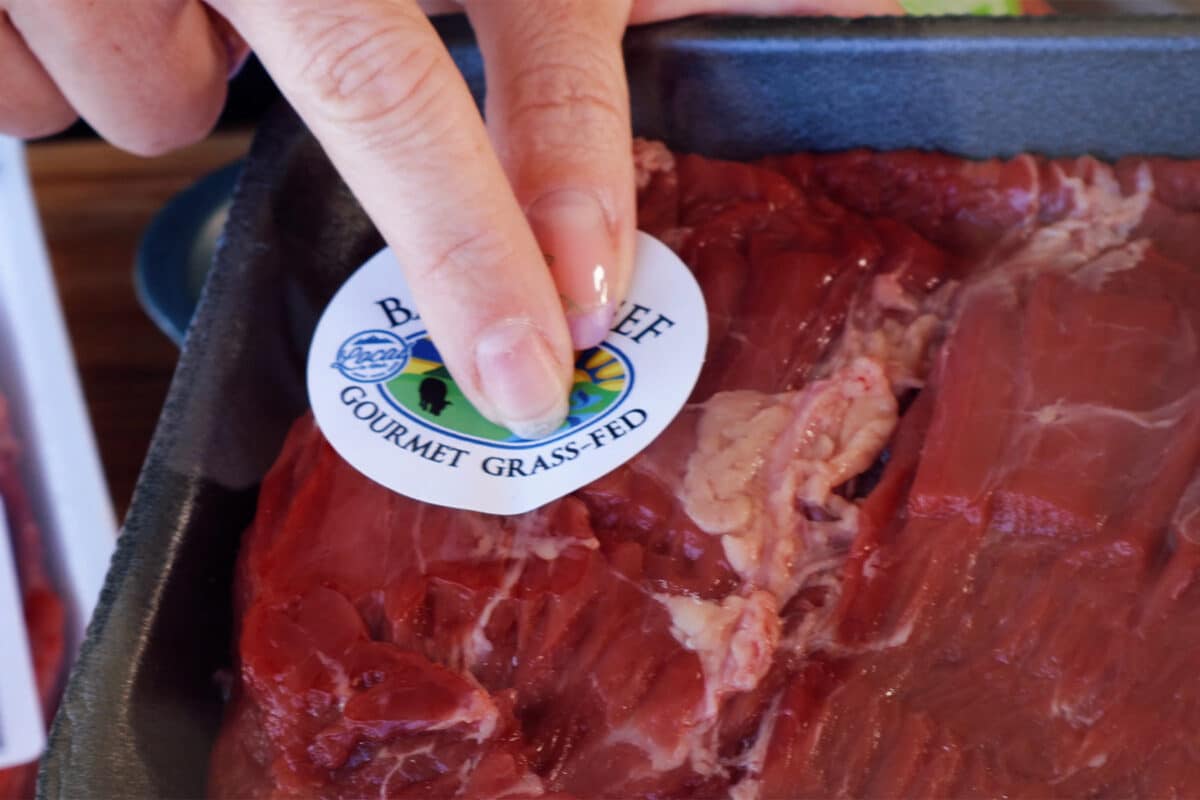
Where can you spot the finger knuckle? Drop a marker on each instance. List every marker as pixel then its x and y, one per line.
pixel 468 256
pixel 361 73
pixel 554 101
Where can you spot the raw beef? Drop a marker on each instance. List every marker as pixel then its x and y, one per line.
pixel 930 525
pixel 45 614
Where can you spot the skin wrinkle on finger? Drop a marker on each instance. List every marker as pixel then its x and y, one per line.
pixel 385 85
pixel 552 103
pixel 362 73
pixel 559 75
pixel 458 262
pixel 31 105
pixel 149 76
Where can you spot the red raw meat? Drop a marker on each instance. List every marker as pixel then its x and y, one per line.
pixel 929 527
pixel 45 614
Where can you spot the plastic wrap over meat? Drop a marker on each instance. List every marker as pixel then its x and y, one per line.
pixel 929 526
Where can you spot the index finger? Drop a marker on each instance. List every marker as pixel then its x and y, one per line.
pixel 379 91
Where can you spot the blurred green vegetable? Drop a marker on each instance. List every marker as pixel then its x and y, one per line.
pixel 979 8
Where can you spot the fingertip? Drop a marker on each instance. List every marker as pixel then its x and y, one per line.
pixel 523 380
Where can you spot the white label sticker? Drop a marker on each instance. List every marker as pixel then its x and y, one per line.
pixel 387 404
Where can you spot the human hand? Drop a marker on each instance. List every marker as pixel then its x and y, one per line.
pixel 474 214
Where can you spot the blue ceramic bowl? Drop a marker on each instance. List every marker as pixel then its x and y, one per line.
pixel 177 250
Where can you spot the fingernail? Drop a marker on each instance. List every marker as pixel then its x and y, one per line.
pixel 573 230
pixel 521 379
pixel 590 328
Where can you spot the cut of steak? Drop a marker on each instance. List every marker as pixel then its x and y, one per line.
pixel 45 613
pixel 928 527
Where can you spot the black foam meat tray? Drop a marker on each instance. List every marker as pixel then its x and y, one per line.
pixel 142 705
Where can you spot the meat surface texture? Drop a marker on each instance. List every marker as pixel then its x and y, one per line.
pixel 928 527
pixel 45 613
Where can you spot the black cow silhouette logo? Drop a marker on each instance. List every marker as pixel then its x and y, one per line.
pixel 433 396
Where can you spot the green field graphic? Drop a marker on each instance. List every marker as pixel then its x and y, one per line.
pixel 587 400
pixel 459 415
pixel 600 380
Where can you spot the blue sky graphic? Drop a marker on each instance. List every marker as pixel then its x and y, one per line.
pixel 424 349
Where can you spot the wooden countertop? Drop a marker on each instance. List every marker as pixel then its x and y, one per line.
pixel 95 202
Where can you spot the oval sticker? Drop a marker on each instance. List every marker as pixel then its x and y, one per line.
pixel 387 404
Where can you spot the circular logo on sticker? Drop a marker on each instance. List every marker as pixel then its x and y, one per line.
pixel 425 392
pixel 372 356
pixel 392 410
